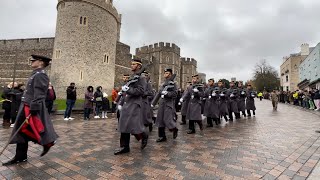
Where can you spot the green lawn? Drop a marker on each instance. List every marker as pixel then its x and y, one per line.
pixel 61 103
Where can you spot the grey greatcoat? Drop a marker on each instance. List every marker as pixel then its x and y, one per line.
pixel 223 103
pixel 242 99
pixel 147 110
pixel 233 101
pixel 194 106
pixel 34 96
pixel 250 105
pixel 166 112
pixel 211 108
pixel 131 114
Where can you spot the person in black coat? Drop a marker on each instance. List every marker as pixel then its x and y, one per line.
pixel 33 108
pixel 51 96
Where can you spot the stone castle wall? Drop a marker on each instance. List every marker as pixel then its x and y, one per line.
pixel 20 50
pixel 123 61
pixel 189 68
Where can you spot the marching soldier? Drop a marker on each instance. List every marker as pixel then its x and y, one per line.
pixel 233 103
pixel 147 110
pixel 242 98
pixel 184 106
pixel 194 93
pixel 208 102
pixel 250 105
pixel 120 98
pixel 39 127
pixel 223 103
pixel 130 121
pixel 166 116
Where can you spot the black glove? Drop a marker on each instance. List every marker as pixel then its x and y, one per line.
pixel 33 112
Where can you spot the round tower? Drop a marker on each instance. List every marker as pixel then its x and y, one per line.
pixel 87 32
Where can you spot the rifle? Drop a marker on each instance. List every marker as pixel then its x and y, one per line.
pixel 168 85
pixel 133 79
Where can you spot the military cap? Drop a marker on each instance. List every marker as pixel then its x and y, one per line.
pixel 126 75
pixel 196 75
pixel 211 79
pixel 40 58
pixel 137 61
pixel 168 70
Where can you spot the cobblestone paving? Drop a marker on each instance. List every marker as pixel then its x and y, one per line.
pixel 271 145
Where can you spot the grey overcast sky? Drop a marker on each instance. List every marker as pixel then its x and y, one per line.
pixel 226 37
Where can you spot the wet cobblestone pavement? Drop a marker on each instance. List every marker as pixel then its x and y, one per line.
pixel 272 145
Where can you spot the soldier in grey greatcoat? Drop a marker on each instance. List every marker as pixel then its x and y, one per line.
pixel 33 107
pixel 208 110
pixel 166 116
pixel 242 98
pixel 147 110
pixel 250 105
pixel 131 121
pixel 184 106
pixel 223 102
pixel 233 101
pixel 194 93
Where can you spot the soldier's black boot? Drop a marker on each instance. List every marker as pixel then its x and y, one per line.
pixel 237 115
pixel 216 120
pixel 244 113
pixel 192 129
pixel 124 144
pixel 46 148
pixel 21 155
pixel 175 133
pixel 161 134
pixel 144 141
pixel 209 122
pixel 183 119
pixel 225 118
pixel 249 113
pixel 150 127
pixel 254 113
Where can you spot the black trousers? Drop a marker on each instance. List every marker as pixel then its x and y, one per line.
pixel 21 151
pixel 183 119
pixel 87 112
pixel 249 113
pixel 125 138
pixel 209 121
pixel 162 132
pixel 192 127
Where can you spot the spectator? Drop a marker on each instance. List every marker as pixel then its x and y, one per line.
pixel 6 106
pixel 274 99
pixel 317 100
pixel 88 103
pixel 71 100
pixel 51 96
pixel 114 95
pixel 98 96
pixel 260 95
pixel 105 105
pixel 14 96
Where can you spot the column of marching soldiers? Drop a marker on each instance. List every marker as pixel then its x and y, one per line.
pixel 136 102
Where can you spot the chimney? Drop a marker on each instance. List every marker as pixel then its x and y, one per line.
pixel 304 49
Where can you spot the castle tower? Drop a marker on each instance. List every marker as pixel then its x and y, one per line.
pixel 87 32
pixel 188 68
pixel 161 55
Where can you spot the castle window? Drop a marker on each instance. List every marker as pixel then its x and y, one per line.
pixel 167 59
pixel 58 54
pixel 85 21
pixel 105 58
pixel 81 76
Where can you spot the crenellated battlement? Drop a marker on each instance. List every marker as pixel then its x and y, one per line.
pixel 188 61
pixel 161 46
pixel 31 43
pixel 104 4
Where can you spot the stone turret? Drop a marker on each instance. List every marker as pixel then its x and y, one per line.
pixel 85 45
pixel 188 68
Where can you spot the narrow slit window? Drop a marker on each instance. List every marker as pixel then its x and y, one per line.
pixel 84 21
pixel 81 76
pixel 81 20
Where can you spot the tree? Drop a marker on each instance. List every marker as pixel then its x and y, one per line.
pixel 265 77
